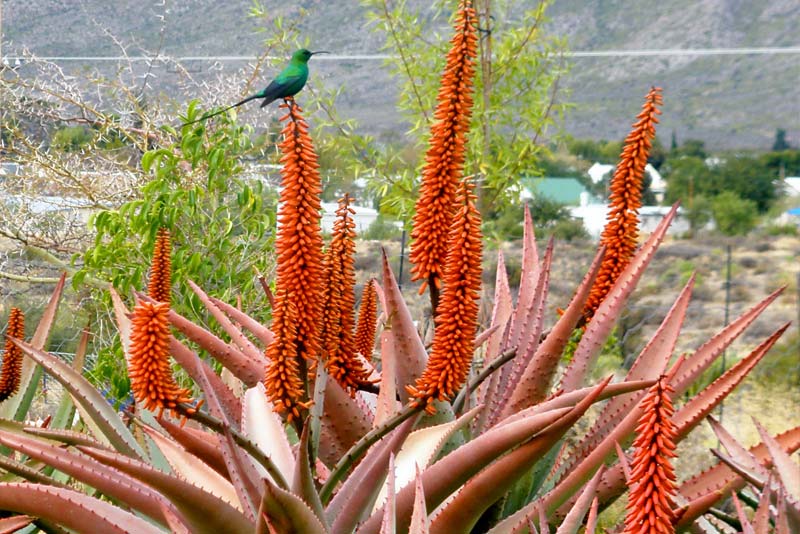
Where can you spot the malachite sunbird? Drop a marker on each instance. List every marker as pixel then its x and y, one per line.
pixel 285 85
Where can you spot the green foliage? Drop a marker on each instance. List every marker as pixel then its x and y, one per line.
pixel 382 229
pixel 549 218
pixel 698 212
pixel 734 215
pixel 780 141
pixel 71 138
pixel 214 215
pixel 595 151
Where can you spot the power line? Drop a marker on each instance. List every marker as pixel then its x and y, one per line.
pixel 663 52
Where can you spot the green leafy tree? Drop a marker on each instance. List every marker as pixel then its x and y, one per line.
pixel 749 178
pixel 734 215
pixel 686 177
pixel 694 148
pixel 698 212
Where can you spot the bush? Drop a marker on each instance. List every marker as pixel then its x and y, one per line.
pixel 732 214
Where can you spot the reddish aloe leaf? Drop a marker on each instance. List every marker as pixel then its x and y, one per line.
pixel 704 402
pixel 241 341
pixel 304 484
pixel 122 316
pixel 737 451
pixel 419 515
pixel 747 528
pixel 248 370
pixel 243 474
pixel 409 350
pixel 261 332
pixel 92 402
pixel 688 513
pixel 175 523
pixel 388 523
pixel 537 378
pixel 465 508
pixel 9 525
pixel 605 317
pixel 355 498
pixel 204 512
pixel 501 315
pixel 591 521
pixel 702 357
pixel 71 509
pixel 28 473
pixel 649 365
pixel 761 519
pixel 788 471
pixel 528 281
pixel 386 405
pixel 86 470
pixel 13 408
pixel 587 498
pixel 344 422
pixel 265 427
pixel 67 437
pixel 203 445
pixel 286 513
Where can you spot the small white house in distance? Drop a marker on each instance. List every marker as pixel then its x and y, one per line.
pixel 791 186
pixel 363 217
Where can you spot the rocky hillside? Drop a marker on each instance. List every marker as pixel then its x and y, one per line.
pixel 729 101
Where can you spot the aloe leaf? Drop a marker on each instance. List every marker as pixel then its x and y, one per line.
pixel 8 525
pixel 746 526
pixel 528 280
pixel 355 498
pixel 419 514
pixel 265 428
pixel 287 513
pixel 16 469
pixel 261 332
pixel 737 451
pixel 17 406
pixel 604 318
pixel 788 471
pixel 649 365
pixel 698 362
pixel 71 509
pixel 186 465
pixel 387 404
pixel 67 437
pixel 462 512
pixel 201 444
pixel 574 518
pixel 411 357
pixel 591 520
pixel 304 484
pixel 243 475
pixel 104 479
pixel 389 516
pixel 537 377
pixel 344 422
pixel 204 512
pixel 66 409
pixel 89 399
pixel 241 341
pixel 761 517
pixel 122 317
pixel 247 369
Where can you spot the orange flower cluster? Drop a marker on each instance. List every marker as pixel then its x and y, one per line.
pixel 457 313
pixel 338 321
pixel 651 502
pixel 299 279
pixel 444 162
pixel 622 227
pixel 161 268
pixel 148 366
pixel 12 356
pixel 367 320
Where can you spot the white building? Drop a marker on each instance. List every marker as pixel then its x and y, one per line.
pixel 598 171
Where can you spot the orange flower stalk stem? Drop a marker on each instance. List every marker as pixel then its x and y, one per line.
pixel 161 268
pixel 457 314
pixel 444 161
pixel 12 356
pixel 621 232
pixel 367 320
pixel 299 277
pixel 651 502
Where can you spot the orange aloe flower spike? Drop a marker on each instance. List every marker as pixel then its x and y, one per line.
pixel 367 320
pixel 622 227
pixel 444 161
pixel 457 313
pixel 161 268
pixel 338 324
pixel 12 356
pixel 299 275
pixel 652 481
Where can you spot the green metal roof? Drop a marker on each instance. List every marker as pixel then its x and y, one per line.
pixel 563 190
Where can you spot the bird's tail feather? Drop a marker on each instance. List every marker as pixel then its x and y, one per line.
pixel 209 115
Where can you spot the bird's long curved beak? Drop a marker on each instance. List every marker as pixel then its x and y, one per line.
pixel 320 52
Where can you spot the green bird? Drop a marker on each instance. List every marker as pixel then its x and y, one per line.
pixel 285 85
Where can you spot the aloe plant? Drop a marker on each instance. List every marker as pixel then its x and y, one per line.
pixel 315 425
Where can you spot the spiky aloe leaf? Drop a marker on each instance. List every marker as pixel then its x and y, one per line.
pixel 344 422
pixel 304 485
pixel 205 512
pixel 71 509
pixel 698 362
pixel 8 525
pixel 358 493
pixel 65 413
pixel 16 407
pixel 737 451
pixel 237 336
pixel 574 518
pixel 528 281
pixel 106 480
pixel 199 443
pixel 16 469
pixel 747 527
pixel 788 472
pixel 89 399
pixel 406 340
pixel 187 466
pixel 248 370
pixel 761 518
pixel 287 513
pixel 649 365
pixel 243 475
pixel 387 404
pixel 67 437
pixel 536 379
pixel 389 515
pixel 462 512
pixel 419 514
pixel 262 425
pixel 605 316
pixel 261 332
